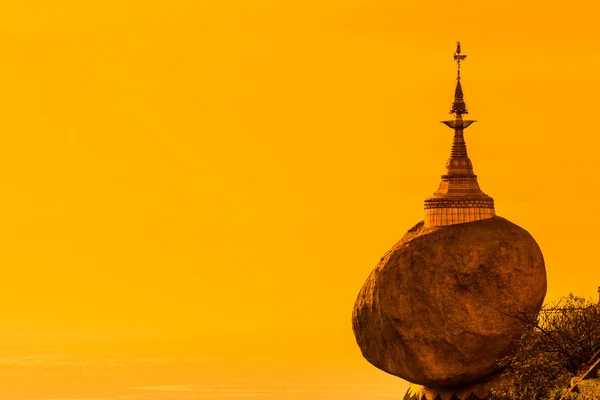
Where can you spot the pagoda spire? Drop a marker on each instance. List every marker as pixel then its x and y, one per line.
pixel 458 198
pixel 458 106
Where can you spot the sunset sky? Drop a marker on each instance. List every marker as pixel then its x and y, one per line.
pixel 193 192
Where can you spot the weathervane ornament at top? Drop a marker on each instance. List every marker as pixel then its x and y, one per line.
pixel 458 58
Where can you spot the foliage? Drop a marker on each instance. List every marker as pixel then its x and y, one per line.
pixel 531 371
pixel 558 345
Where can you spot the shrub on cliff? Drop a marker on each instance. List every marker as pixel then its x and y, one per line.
pixel 563 340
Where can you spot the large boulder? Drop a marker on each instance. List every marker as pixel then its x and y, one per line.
pixel 438 310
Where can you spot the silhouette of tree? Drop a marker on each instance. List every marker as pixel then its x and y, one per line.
pixel 561 342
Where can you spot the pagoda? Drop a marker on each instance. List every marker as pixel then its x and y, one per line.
pixel 458 198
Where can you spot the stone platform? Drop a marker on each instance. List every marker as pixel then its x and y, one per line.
pixel 478 391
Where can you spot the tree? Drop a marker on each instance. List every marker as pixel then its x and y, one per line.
pixel 559 343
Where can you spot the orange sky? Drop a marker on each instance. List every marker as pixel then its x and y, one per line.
pixel 219 177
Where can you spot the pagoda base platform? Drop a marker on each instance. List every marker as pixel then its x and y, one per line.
pixel 477 391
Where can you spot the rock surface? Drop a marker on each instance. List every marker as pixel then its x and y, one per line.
pixel 436 309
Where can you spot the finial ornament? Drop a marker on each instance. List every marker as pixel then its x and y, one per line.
pixel 459 108
pixel 458 58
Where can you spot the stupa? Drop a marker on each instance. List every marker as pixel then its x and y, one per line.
pixel 438 308
pixel 459 198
